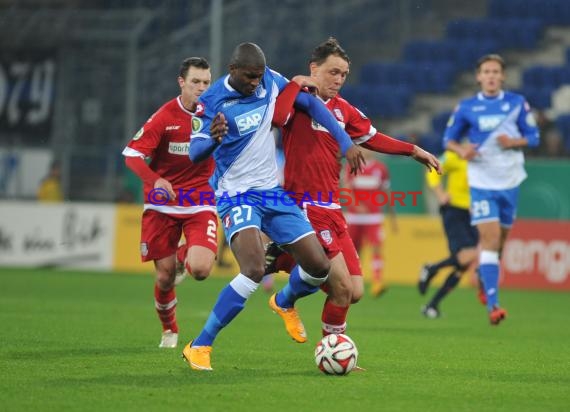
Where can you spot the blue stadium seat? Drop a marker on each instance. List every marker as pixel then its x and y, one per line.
pixel 439 122
pixel 432 142
pixel 549 12
pixel 546 77
pixel 515 33
pixel 461 54
pixel 373 100
pixel 420 77
pixel 538 97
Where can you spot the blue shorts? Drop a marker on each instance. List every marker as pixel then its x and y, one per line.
pixel 457 223
pixel 272 211
pixel 493 205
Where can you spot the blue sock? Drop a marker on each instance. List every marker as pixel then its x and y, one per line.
pixel 296 288
pixel 489 270
pixel 231 301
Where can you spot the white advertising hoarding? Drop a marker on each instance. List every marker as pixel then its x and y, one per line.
pixel 77 235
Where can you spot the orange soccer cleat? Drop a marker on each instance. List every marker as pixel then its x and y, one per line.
pixel 198 357
pixel 293 323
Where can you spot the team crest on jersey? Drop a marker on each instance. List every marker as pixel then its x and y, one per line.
pixel 139 134
pixel 200 109
pixel 505 107
pixel 144 249
pixel 196 124
pixel 338 115
pixel 326 236
pixel 260 92
pixel 249 122
pixel 530 120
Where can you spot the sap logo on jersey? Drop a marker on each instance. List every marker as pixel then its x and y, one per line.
pixel 490 122
pixel 250 121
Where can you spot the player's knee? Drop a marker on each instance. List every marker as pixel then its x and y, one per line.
pixel 321 269
pixel 201 269
pixel 200 273
pixel 164 282
pixel 341 293
pixel 356 296
pixel 254 272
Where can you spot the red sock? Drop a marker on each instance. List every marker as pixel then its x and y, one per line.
pixel 165 304
pixel 334 318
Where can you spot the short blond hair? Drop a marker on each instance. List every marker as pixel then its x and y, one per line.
pixel 491 58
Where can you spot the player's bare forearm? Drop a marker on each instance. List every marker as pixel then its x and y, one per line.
pixel 427 159
pixel 441 194
pixel 465 151
pixel 507 142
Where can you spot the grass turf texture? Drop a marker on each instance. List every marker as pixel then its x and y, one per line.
pixel 88 341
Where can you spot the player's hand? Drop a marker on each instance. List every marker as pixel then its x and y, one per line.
pixel 218 127
pixel 306 81
pixel 468 151
pixel 426 158
pixel 355 159
pixel 165 184
pixel 443 199
pixel 505 141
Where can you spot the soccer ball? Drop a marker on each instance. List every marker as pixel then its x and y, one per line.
pixel 336 354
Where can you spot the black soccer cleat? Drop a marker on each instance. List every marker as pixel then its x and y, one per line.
pixel 426 274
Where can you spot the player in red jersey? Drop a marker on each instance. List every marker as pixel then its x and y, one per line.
pixel 365 217
pixel 312 169
pixel 177 195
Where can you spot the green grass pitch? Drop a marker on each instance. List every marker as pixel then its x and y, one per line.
pixel 88 342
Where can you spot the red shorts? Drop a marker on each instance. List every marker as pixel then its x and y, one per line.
pixel 161 233
pixel 366 233
pixel 331 229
